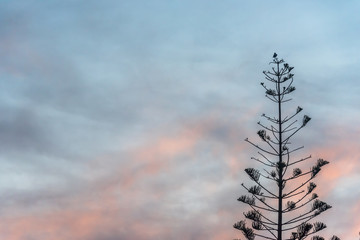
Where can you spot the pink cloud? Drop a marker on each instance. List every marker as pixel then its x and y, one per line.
pixel 124 200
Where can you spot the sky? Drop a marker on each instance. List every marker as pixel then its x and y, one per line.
pixel 125 120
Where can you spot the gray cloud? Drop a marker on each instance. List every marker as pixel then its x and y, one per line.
pixel 94 93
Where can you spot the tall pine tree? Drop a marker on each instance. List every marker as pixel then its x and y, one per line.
pixel 284 206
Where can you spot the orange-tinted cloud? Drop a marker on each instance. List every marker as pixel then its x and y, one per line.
pixel 126 198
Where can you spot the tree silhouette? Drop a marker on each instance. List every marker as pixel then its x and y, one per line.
pixel 286 202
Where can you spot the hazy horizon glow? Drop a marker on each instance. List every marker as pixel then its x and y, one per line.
pixel 127 119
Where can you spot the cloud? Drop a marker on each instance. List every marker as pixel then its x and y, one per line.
pixel 165 178
pixel 126 120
